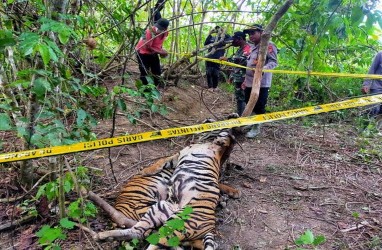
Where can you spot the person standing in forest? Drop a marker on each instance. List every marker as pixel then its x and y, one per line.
pixel 149 46
pixel 255 32
pixel 374 86
pixel 238 74
pixel 213 69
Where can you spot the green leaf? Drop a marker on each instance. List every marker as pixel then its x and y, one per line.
pixel 306 239
pixel 67 186
pixel 153 239
pixel 38 140
pixel 22 132
pixel 165 231
pixel 5 122
pixel 334 3
pixel 5 106
pixel 41 86
pixel 187 210
pixel 163 110
pixel 52 54
pixel 41 191
pixel 48 235
pixel 90 210
pixel 173 241
pixel 42 231
pixel 6 39
pixel 121 104
pixel 176 224
pixel 44 52
pixel 319 240
pixel 28 42
pixel 81 116
pixel 55 247
pixel 154 108
pixel 356 15
pixel 74 210
pixel 155 93
pixel 51 190
pixel 135 242
pixel 53 46
pixel 64 36
pixel 66 223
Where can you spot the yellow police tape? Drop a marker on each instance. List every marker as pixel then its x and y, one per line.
pixel 291 72
pixel 193 129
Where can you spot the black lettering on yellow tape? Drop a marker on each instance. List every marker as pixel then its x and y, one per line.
pixel 194 129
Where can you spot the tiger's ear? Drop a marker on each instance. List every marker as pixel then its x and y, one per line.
pixel 159 165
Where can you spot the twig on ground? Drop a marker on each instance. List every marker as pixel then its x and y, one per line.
pixel 324 220
pixel 214 102
pixel 14 223
pixel 358 226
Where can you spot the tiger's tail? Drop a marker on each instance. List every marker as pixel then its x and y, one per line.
pixel 209 242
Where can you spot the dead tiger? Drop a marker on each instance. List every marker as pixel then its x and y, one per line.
pixel 194 183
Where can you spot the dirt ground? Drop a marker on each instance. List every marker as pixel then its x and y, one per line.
pixel 292 178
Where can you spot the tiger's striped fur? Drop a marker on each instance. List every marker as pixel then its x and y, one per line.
pixel 194 183
pixel 141 192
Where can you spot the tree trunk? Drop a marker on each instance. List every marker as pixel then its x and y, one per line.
pixel 265 37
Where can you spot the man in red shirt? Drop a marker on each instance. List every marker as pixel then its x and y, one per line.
pixel 148 49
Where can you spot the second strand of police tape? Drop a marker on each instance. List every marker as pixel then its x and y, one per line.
pixel 187 130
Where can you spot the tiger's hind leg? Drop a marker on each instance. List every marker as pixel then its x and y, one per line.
pixel 157 215
pixel 115 215
pixel 232 192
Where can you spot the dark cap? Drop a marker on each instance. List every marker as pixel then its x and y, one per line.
pixel 238 34
pixel 253 27
pixel 162 24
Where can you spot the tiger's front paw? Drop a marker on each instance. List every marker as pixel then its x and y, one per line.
pixel 230 191
pixel 235 193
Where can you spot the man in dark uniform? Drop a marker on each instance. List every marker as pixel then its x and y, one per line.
pixel 212 69
pixel 237 75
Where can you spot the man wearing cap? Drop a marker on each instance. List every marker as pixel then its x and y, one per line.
pixel 238 74
pixel 149 47
pixel 255 32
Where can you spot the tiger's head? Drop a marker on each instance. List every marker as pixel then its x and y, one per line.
pixel 226 141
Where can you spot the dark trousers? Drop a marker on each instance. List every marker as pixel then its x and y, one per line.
pixel 149 64
pixel 377 108
pixel 240 98
pixel 261 102
pixel 212 77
